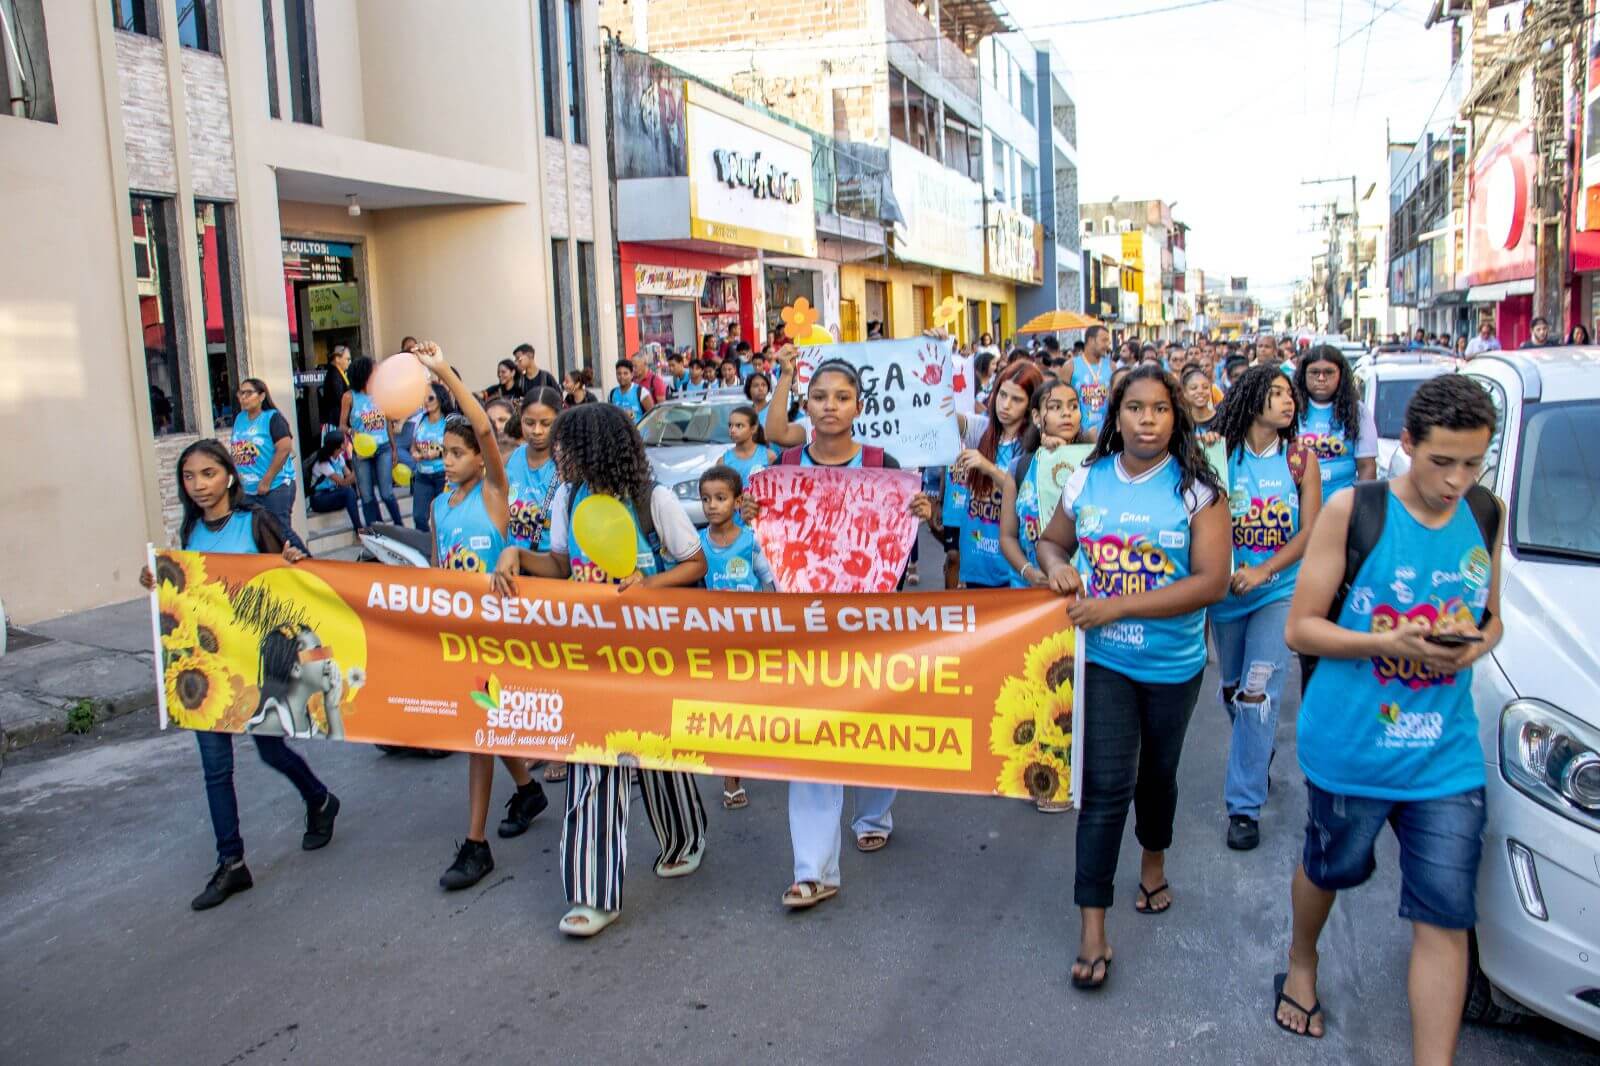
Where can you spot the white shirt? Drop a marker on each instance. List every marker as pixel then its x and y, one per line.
pixel 679 541
pixel 1478 345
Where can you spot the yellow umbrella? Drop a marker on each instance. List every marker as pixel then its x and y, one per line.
pixel 1051 321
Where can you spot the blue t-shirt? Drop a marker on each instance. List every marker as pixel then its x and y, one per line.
pixel 1333 445
pixel 1393 729
pixel 1134 536
pixel 1029 523
pixel 981 560
pixel 629 401
pixel 760 460
pixel 528 524
pixel 1264 505
pixel 366 418
pixel 465 537
pixel 1093 385
pixel 739 567
pixel 253 446
pixel 236 537
pixel 429 434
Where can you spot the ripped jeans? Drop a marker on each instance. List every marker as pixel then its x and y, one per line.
pixel 1252 658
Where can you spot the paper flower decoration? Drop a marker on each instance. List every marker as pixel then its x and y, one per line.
pixel 799 318
pixel 947 312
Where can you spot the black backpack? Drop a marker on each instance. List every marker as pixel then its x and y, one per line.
pixel 1368 513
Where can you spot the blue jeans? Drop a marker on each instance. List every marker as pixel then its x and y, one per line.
pixel 375 481
pixel 1441 842
pixel 340 496
pixel 216 762
pixel 279 503
pixel 424 487
pixel 1251 645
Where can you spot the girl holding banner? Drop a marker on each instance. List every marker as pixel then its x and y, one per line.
pixel 1054 420
pixel 598 454
pixel 1146 511
pixel 991 443
pixel 469 526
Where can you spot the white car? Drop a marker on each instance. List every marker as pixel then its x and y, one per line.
pixel 1537 943
pixel 1387 385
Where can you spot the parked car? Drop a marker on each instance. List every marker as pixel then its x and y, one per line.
pixel 684 438
pixel 1537 944
pixel 1387 385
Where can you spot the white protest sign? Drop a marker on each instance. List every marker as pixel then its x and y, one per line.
pixel 906 402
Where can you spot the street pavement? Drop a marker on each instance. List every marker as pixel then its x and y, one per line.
pixel 951 945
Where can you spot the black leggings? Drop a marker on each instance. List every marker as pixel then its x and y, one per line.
pixel 1132 740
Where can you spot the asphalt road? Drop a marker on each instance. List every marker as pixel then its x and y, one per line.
pixel 951 945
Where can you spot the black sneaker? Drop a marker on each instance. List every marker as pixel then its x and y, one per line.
pixel 225 881
pixel 319 824
pixel 1243 833
pixel 522 808
pixel 473 863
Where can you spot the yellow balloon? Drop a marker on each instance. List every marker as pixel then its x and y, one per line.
pixel 366 445
pixel 818 335
pixel 402 475
pixel 606 532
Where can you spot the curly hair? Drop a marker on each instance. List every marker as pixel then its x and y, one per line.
pixel 597 445
pixel 1183 445
pixel 1346 400
pixel 1246 400
pixel 1025 376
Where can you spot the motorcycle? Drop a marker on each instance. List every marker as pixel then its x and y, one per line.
pixel 399 546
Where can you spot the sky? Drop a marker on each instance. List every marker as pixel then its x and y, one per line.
pixel 1226 106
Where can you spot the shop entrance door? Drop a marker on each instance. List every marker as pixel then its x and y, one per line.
pixel 323 293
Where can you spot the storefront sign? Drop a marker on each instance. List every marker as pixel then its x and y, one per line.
pixel 679 282
pixel 749 177
pixel 943 212
pixel 1500 243
pixel 334 306
pixel 942 691
pixel 305 260
pixel 1011 244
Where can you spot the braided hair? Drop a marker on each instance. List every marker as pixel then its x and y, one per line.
pixel 1346 399
pixel 1244 402
pixel 598 445
pixel 1183 445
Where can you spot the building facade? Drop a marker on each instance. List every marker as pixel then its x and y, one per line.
pixel 1145 236
pixel 225 189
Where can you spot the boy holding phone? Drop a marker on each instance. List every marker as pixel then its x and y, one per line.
pixel 1387 730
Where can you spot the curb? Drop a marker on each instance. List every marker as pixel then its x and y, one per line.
pixel 25 734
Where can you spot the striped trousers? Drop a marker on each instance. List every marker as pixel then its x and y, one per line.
pixel 594 831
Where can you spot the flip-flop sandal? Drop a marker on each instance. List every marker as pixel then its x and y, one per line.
pixel 1089 984
pixel 1052 806
pixel 872 841
pixel 734 800
pixel 1316 1009
pixel 1147 896
pixel 684 867
pixel 802 895
pixel 556 771
pixel 582 921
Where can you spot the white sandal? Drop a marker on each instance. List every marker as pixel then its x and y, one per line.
pixel 683 867
pixel 735 800
pixel 584 921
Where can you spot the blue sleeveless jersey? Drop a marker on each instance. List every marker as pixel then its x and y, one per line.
pixel 629 401
pixel 429 433
pixel 586 569
pixel 528 524
pixel 1264 505
pixel 366 418
pixel 1135 537
pixel 739 567
pixel 1334 447
pixel 1393 729
pixel 758 461
pixel 1029 522
pixel 1093 385
pixel 252 447
pixel 981 560
pixel 467 539
pixel 236 537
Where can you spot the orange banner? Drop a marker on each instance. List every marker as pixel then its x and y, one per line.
pixel 972 692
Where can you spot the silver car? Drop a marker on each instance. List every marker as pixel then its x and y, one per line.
pixel 686 437
pixel 1387 385
pixel 1537 944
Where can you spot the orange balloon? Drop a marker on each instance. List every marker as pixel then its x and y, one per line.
pixel 398 385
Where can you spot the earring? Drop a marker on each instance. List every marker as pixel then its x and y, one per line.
pixel 230 481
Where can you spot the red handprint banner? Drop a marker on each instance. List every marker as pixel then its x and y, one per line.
pixel 828 529
pixel 906 396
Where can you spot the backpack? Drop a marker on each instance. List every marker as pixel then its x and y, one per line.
pixel 1368 513
pixel 871 456
pixel 641 514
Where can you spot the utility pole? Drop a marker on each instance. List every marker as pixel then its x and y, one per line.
pixel 1355 256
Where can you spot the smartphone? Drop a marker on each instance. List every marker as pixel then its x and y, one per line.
pixel 1454 640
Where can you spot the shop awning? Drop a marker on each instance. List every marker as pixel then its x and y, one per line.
pixel 1493 294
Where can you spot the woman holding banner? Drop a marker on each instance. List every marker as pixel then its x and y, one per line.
pixel 990 446
pixel 1147 513
pixel 599 453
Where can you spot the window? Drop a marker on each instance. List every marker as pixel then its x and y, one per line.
pixel 999 167
pixel 1557 492
pixel 575 71
pixel 1026 100
pixel 213 226
pixel 550 67
pixel 271 43
pixel 136 16
pixel 922 306
pixel 878 309
pixel 897 106
pixel 917 120
pixel 197 25
pixel 25 62
pixel 1109 225
pixel 913 115
pixel 588 306
pixel 153 285
pixel 1030 190
pixel 301 38
pixel 963 147
pixel 561 294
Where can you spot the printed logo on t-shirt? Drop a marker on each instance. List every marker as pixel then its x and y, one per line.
pixel 1409 672
pixel 1266 526
pixel 245 452
pixel 1090 519
pixel 1125 567
pixel 1325 445
pixel 1475 566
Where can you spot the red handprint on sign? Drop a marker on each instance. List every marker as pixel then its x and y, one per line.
pixel 932 362
pixel 835 530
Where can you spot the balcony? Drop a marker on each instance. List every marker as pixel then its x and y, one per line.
pixel 951 52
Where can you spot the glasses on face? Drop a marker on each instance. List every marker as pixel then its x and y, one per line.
pixel 249 392
pixel 1322 372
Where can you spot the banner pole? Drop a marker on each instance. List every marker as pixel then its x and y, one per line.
pixel 155 633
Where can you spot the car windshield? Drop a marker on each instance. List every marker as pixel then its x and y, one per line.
pixel 686 423
pixel 1557 507
pixel 1389 409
